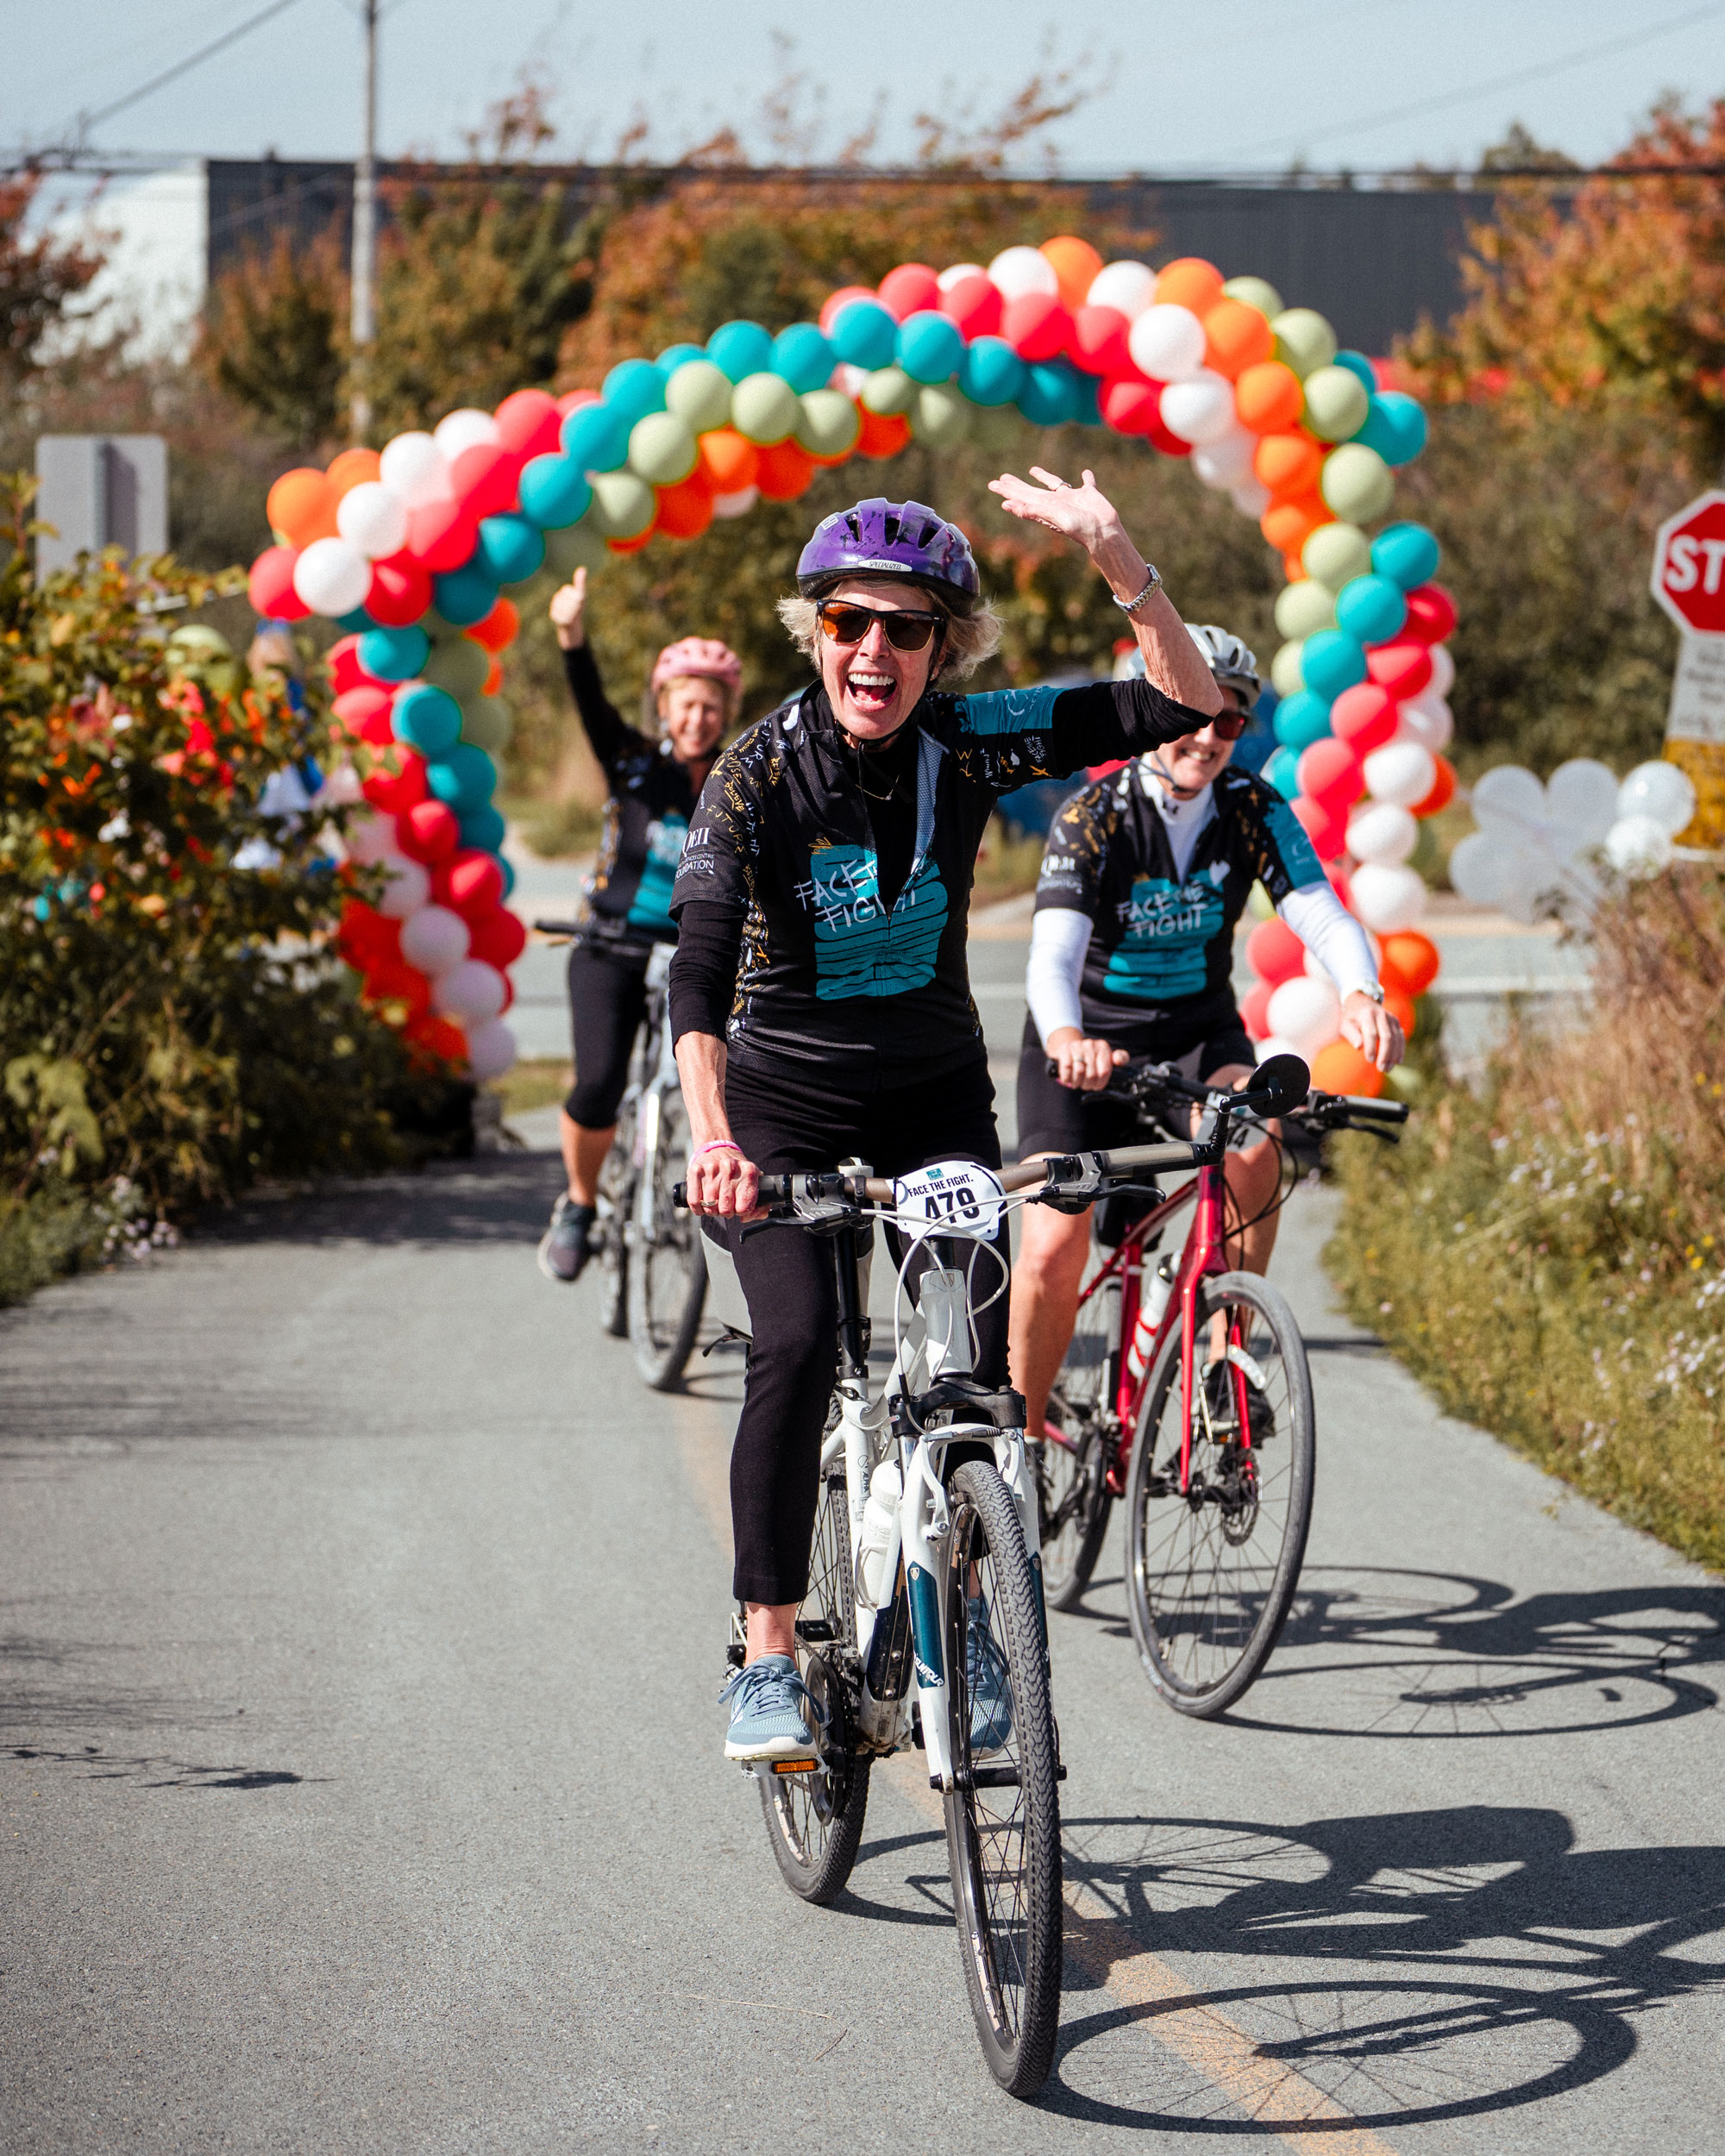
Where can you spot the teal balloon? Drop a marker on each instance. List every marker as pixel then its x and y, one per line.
pixel 394 654
pixel 1357 363
pixel 634 387
pixel 1372 609
pixel 356 623
pixel 804 356
pixel 467 595
pixel 740 348
pixel 673 355
pixel 1087 395
pixel 554 493
pixel 463 776
pixel 1049 395
pixel 1407 554
pixel 992 373
pixel 1395 427
pixel 511 549
pixel 1300 719
pixel 491 846
pixel 596 438
pixel 864 334
pixel 930 346
pixel 427 719
pixel 1331 661
pixel 1281 770
pixel 483 829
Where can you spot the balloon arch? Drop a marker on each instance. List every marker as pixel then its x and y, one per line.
pixel 411 551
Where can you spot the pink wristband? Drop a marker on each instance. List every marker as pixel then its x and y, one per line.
pixel 714 1144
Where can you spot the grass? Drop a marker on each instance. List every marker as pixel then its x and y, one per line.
pixel 537 1081
pixel 1006 865
pixel 556 830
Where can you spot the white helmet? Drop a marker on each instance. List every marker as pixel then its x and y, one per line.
pixel 1233 664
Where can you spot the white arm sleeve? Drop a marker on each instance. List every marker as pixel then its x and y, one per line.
pixel 1330 933
pixel 1059 937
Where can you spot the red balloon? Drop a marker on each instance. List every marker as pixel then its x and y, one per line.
pixel 1131 405
pixel 271 586
pixel 528 422
pixel 364 712
pixel 393 980
pixel 428 833
pixel 400 593
pixel 975 304
pixel 1274 952
pixel 1326 827
pixel 471 884
pixel 395 792
pixel 1036 325
pixel 1254 1010
pixel 441 534
pixel 909 289
pixel 1099 341
pixel 1364 716
pixel 366 937
pixel 483 479
pixel 499 938
pixel 1169 444
pixel 1402 667
pixel 1431 614
pixel 842 297
pixel 1329 772
pixel 342 660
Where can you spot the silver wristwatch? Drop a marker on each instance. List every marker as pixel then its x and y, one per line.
pixel 1153 583
pixel 1376 992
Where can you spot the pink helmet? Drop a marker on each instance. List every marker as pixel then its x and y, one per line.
pixel 704 657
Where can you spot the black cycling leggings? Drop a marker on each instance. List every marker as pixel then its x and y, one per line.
pixel 607 1002
pixel 784 1118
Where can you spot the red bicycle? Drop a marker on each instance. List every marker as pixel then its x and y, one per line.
pixel 1186 1392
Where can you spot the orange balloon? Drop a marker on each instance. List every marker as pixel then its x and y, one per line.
pixel 1267 397
pixel 499 628
pixel 1413 958
pixel 1294 568
pixel 301 507
pixel 1190 282
pixel 1400 1005
pixel 634 545
pixel 1289 464
pixel 352 467
pixel 438 1037
pixel 685 509
pixel 1340 1068
pixel 1076 264
pixel 1443 789
pixel 884 434
pixel 1289 524
pixel 1236 336
pixel 728 460
pixel 787 470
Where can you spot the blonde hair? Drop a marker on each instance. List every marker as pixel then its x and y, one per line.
pixel 969 638
pixel 652 700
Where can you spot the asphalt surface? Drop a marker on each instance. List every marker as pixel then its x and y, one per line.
pixel 362 1785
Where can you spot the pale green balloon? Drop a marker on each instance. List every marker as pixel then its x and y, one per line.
pixel 765 408
pixel 1252 292
pixel 1356 483
pixel 940 415
pixel 459 666
pixel 577 546
pixel 1337 402
pixel 1284 670
pixel 1302 609
pixel 623 505
pixel 439 630
pixel 662 448
pixel 829 426
pixel 1304 341
pixel 889 390
pixel 699 394
pixel 1336 554
pixel 485 722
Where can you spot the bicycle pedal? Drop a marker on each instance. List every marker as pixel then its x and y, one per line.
pixel 796 1766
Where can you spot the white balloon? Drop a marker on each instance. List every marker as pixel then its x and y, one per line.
pixel 407 889
pixel 1402 773
pixel 332 577
pixel 1226 462
pixel 1443 671
pixel 1251 497
pixel 1383 834
pixel 1581 802
pixel 1530 881
pixel 736 504
pixel 464 429
pixel 1018 270
pixel 1426 719
pixel 491 1049
pixel 1201 409
pixel 435 939
pixel 372 518
pixel 1128 287
pixel 1510 792
pixel 341 788
pixel 1639 846
pixel 1306 1012
pixel 1167 344
pixel 957 274
pixel 1387 899
pixel 1477 869
pixel 369 839
pixel 1662 792
pixel 1273 1044
pixel 471 991
pixel 848 380
pixel 414 469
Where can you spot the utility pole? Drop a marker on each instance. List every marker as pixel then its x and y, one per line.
pixel 362 322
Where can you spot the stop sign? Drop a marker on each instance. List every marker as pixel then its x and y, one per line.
pixel 1689 565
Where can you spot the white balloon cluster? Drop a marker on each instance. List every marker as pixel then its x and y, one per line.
pixel 1535 850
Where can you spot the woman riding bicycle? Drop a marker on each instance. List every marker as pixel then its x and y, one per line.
pixel 653 787
pixel 819 995
pixel 1145 874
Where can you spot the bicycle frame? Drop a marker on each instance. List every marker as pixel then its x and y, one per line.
pixel 659 1076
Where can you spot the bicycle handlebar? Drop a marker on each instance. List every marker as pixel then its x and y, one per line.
pixel 1320 1111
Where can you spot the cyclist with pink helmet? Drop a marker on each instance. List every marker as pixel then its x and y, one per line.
pixel 653 787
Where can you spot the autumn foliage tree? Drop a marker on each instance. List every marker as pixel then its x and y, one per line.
pixel 40 276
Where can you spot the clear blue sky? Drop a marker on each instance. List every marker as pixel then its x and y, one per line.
pixel 1236 84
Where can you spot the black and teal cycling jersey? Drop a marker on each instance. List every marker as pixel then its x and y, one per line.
pixel 783 844
pixel 646 815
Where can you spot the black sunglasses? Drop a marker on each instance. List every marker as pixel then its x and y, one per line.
pixel 847 624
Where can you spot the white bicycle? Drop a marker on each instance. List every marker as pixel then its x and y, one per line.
pixel 925 1623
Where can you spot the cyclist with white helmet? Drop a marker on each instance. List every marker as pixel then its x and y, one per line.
pixel 819 994
pixel 1145 873
pixel 653 787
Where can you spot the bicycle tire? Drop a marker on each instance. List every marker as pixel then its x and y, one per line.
pixel 1206 1623
pixel 1073 1510
pixel 815 1821
pixel 666 1291
pixel 616 1196
pixel 1009 1916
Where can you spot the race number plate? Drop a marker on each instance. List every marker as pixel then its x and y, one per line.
pixel 950 1197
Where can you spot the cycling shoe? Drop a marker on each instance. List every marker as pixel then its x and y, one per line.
pixel 773 1714
pixel 1224 1414
pixel 568 1243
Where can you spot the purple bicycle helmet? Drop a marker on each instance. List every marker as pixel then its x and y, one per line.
pixel 883 538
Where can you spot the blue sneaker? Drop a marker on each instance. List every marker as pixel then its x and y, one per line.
pixel 986 1679
pixel 772 1711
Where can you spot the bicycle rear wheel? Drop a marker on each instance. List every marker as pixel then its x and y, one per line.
pixel 1072 1498
pixel 616 1196
pixel 1003 1818
pixel 667 1271
pixel 814 1821
pixel 1211 1572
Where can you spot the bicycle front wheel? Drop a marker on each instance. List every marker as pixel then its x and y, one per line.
pixel 1003 1818
pixel 667 1271
pixel 616 1196
pixel 1212 1566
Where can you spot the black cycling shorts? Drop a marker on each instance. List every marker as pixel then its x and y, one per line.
pixel 1056 1119
pixel 607 1002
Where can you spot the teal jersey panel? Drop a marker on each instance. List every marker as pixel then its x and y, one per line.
pixel 1008 711
pixel 650 907
pixel 860 949
pixel 1163 953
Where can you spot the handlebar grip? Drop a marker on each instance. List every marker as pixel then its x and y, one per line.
pixel 1384 1110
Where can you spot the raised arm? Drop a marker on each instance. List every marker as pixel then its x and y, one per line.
pixel 611 736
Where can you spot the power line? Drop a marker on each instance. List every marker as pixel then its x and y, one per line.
pixel 85 120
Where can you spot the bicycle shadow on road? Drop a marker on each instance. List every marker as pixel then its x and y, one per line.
pixel 1447 1963
pixel 496 1198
